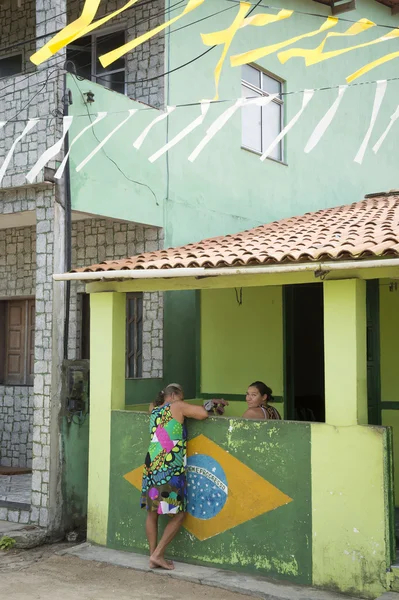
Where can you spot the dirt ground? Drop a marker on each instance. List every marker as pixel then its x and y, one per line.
pixel 41 574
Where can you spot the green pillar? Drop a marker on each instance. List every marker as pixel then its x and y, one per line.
pixel 345 351
pixel 107 392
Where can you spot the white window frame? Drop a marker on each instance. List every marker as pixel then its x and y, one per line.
pixel 93 37
pixel 279 100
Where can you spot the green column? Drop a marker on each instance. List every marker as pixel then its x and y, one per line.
pixel 107 392
pixel 345 352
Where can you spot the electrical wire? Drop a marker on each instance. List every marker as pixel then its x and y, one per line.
pixel 312 14
pixel 109 158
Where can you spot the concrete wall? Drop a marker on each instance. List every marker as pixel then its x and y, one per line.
pixel 17 278
pixel 298 487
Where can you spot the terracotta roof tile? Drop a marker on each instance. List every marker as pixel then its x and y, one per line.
pixel 369 228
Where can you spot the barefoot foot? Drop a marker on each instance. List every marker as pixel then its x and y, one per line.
pixel 158 562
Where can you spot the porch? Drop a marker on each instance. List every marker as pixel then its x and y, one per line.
pixel 308 499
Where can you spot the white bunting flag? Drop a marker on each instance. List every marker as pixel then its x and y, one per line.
pixel 378 98
pixel 193 125
pixel 221 121
pixel 139 142
pixel 378 145
pixel 29 126
pixel 307 96
pixel 326 121
pixel 60 170
pixel 105 140
pixel 50 152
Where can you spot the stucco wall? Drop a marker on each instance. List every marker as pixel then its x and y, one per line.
pixel 314 533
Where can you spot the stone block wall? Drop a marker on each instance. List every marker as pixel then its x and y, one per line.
pixel 145 62
pixel 17 278
pixel 16 25
pixel 96 240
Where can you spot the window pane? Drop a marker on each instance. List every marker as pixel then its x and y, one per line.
pixel 11 66
pixel 271 127
pixel 105 44
pixel 251 75
pixel 270 85
pixel 251 119
pixel 79 52
pixel 113 81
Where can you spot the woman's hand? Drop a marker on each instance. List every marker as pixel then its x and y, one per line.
pixel 215 405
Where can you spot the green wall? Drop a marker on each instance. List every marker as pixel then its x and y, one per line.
pixel 389 336
pixel 276 543
pixel 75 441
pixel 241 343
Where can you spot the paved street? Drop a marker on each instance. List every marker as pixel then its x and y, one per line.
pixel 40 574
pixel 16 488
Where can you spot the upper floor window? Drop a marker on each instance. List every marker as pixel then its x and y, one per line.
pixel 10 65
pixel 261 125
pixel 17 342
pixel 85 53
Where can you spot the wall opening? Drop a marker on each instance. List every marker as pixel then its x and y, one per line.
pixel 304 352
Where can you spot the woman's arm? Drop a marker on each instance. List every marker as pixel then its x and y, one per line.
pixel 191 411
pixel 151 407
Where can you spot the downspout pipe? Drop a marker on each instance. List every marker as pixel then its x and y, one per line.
pixel 200 272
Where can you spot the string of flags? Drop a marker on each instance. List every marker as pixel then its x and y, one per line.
pixel 224 38
pixel 215 127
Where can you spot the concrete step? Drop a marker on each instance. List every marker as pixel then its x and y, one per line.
pixel 25 536
pixel 259 587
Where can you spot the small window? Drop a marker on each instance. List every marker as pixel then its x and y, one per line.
pixel 17 342
pixel 11 65
pixel 85 53
pixel 134 335
pixel 261 125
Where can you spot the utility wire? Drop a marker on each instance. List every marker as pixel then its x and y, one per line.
pixel 224 100
pixel 107 155
pixel 312 14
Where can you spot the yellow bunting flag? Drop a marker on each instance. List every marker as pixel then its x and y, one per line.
pixel 316 55
pixel 254 55
pixel 225 38
pixel 372 65
pixel 110 57
pixel 70 32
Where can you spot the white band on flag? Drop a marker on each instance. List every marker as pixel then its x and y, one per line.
pixel 60 170
pixel 105 140
pixel 138 143
pixel 378 145
pixel 193 125
pixel 30 125
pixel 307 96
pixel 326 121
pixel 224 117
pixel 378 98
pixel 50 152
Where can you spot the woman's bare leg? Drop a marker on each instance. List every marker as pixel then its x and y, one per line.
pixel 151 529
pixel 157 558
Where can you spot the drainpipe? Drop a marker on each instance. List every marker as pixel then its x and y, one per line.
pixel 318 268
pixel 67 100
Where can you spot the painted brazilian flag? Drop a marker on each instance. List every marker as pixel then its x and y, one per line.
pixel 248 488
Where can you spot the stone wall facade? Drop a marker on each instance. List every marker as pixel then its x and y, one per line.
pixel 16 25
pixel 17 278
pixel 96 240
pixel 145 64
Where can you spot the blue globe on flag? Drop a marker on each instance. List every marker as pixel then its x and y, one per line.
pixel 207 486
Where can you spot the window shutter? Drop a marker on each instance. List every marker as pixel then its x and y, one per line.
pixel 16 335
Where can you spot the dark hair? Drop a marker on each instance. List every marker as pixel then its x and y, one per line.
pixel 172 388
pixel 263 389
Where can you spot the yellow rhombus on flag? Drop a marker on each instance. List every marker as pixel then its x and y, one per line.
pixel 249 495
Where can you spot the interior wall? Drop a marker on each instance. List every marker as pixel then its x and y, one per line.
pixel 389 336
pixel 241 343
